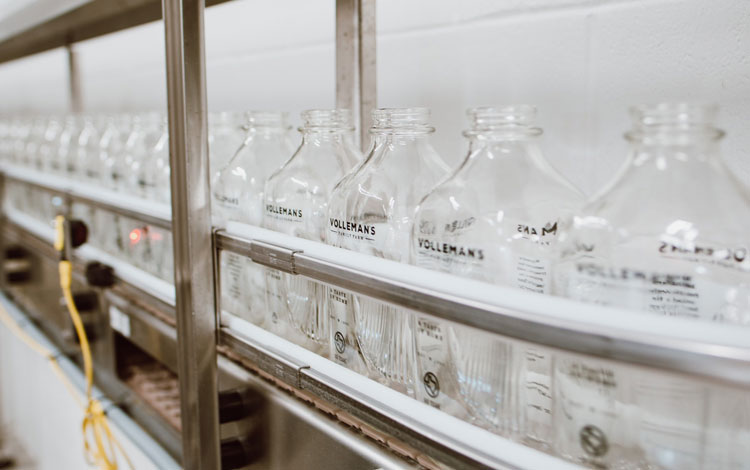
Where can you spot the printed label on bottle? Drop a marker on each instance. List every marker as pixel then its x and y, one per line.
pixel 374 239
pixel 733 258
pixel 537 381
pixel 444 256
pixel 287 214
pixel 672 419
pixel 532 266
pixel 231 280
pixel 673 294
pixel 436 385
pixel 591 420
pixel 343 344
pixel 275 302
pixel 533 274
pixel 227 206
pixel 230 202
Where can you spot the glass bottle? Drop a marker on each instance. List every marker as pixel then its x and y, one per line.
pixel 371 211
pixel 296 203
pixel 30 148
pixel 66 145
pixel 153 177
pixel 112 157
pixel 21 133
pixel 7 128
pixel 227 131
pixel 46 150
pixel 237 191
pixel 493 219
pixel 667 236
pixel 86 150
pixel 149 128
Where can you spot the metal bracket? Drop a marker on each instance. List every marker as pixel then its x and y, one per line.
pixel 273 256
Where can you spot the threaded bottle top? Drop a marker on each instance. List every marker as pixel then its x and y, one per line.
pixel 514 119
pixel 274 119
pixel 327 119
pixel 673 118
pixel 401 120
pixel 227 119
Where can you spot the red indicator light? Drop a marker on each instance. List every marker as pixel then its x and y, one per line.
pixel 135 236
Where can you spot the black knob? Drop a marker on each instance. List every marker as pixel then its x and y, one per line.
pixel 238 453
pixel 99 275
pixel 86 301
pixel 79 233
pixel 17 264
pixel 235 405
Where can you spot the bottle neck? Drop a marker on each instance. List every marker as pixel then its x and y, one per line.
pixel 506 144
pixel 325 134
pixel 674 147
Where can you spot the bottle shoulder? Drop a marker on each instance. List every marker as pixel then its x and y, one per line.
pixel 711 206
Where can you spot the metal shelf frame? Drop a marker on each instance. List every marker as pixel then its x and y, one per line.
pixel 158 215
pixel 714 352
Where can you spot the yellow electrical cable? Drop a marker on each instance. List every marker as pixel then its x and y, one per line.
pixel 16 330
pixel 95 425
pixel 41 350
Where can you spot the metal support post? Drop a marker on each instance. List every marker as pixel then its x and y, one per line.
pixel 191 229
pixel 356 80
pixel 74 80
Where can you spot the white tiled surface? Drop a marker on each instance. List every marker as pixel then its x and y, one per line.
pixel 581 61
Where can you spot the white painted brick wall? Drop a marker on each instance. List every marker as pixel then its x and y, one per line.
pixel 581 61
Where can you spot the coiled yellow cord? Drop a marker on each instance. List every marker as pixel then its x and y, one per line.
pixel 95 425
pixel 14 328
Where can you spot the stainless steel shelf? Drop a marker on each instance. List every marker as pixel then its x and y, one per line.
pixel 713 351
pixel 412 429
pixel 149 323
pixel 156 295
pixel 47 25
pixel 151 213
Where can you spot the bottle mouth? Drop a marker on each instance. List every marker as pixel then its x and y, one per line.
pixel 327 119
pixel 409 120
pixel 512 118
pixel 669 118
pixel 277 119
pixel 226 117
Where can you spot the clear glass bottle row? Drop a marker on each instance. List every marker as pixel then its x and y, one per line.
pixel 652 241
pixel 667 236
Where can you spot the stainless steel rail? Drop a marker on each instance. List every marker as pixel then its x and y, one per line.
pixel 356 86
pixel 411 429
pixel 102 198
pixel 344 399
pixel 641 345
pixel 42 26
pixel 191 220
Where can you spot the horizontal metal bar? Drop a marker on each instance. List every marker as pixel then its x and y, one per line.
pixel 128 206
pixel 336 396
pixel 150 290
pixel 275 363
pixel 235 374
pixel 34 30
pixel 718 352
pixel 395 417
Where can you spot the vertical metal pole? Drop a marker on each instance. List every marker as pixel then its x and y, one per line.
pixel 191 227
pixel 356 77
pixel 74 80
